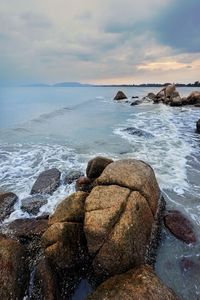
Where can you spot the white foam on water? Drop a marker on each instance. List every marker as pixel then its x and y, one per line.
pixel 168 149
pixel 20 166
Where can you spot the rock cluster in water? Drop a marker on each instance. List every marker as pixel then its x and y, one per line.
pixel 106 232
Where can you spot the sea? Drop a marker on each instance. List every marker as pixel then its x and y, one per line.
pixel 47 127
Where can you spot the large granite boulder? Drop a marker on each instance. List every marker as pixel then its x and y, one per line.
pixel 137 284
pixel 71 209
pixel 63 244
pixel 47 182
pixel 32 204
pixel 7 202
pixel 180 226
pixel 96 166
pixel 119 216
pixel 120 96
pixel 13 281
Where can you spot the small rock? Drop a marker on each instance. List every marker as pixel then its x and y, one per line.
pixel 138 132
pixel 198 126
pixel 180 226
pixel 47 182
pixel 28 228
pixel 137 102
pixel 176 101
pixel 140 283
pixel 193 97
pixel 72 176
pixel 120 96
pixel 96 166
pixel 7 202
pixel 134 97
pixel 32 204
pixel 151 96
pixel 84 184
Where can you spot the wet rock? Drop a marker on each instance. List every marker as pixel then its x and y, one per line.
pixel 151 96
pixel 120 96
pixel 168 91
pixel 96 166
pixel 134 174
pixel 47 182
pixel 180 226
pixel 7 202
pixel 137 102
pixel 84 184
pixel 64 245
pixel 176 101
pixel 13 278
pixel 32 204
pixel 194 97
pixel 119 216
pixel 138 132
pixel 137 284
pixel 28 228
pixel 134 97
pixel 72 176
pixel 198 126
pixel 71 209
pixel 44 283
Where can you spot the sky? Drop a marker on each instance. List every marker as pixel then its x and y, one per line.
pixel 99 41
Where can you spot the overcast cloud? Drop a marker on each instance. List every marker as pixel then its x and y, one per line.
pixel 97 41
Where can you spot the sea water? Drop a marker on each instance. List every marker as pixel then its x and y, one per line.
pixel 42 128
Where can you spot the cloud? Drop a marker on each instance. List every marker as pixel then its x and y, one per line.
pixel 99 40
pixel 178 26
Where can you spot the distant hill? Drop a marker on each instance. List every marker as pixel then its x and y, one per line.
pixel 71 84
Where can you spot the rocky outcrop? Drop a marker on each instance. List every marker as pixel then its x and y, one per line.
pixel 13 276
pixel 119 216
pixel 7 202
pixel 180 226
pixel 96 166
pixel 71 209
pixel 198 126
pixel 137 284
pixel 32 204
pixel 120 96
pixel 47 182
pixel 138 132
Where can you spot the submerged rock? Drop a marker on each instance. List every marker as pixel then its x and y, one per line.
pixel 96 166
pixel 7 202
pixel 120 96
pixel 119 216
pixel 32 204
pixel 13 278
pixel 180 226
pixel 137 284
pixel 198 126
pixel 138 132
pixel 71 209
pixel 47 182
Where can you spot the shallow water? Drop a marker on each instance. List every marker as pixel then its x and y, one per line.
pixel 65 127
